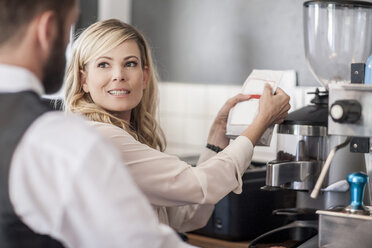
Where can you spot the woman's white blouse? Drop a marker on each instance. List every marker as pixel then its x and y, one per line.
pixel 182 196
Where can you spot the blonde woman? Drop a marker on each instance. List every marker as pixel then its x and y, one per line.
pixel 112 81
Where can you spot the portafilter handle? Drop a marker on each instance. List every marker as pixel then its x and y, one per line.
pixel 357 182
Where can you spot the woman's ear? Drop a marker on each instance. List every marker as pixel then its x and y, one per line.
pixel 83 81
pixel 146 73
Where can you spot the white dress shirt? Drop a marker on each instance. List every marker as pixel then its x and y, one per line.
pixel 182 196
pixel 68 182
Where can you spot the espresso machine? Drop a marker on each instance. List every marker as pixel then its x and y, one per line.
pixel 336 35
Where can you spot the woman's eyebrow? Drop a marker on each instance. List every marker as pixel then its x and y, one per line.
pixel 104 57
pixel 126 58
pixel 130 56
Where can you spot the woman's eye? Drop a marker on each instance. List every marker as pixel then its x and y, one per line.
pixel 131 64
pixel 103 65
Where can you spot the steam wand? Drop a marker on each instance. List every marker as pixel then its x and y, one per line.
pixel 319 182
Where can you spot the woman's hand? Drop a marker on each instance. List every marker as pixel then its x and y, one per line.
pixel 217 132
pixel 273 109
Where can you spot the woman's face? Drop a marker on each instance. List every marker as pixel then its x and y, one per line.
pixel 116 80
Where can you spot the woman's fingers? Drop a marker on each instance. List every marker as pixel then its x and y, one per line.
pixel 286 108
pixel 279 91
pixel 238 98
pixel 281 106
pixel 230 103
pixel 267 90
pixel 281 117
pixel 283 99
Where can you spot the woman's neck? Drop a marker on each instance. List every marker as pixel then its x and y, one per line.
pixel 125 115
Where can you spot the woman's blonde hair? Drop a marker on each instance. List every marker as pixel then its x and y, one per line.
pixel 99 39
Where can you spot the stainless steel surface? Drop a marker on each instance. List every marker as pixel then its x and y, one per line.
pixel 299 155
pixel 344 162
pixel 297 175
pixel 302 130
pixel 360 93
pixel 368 161
pixel 325 200
pixel 343 230
pixel 336 34
pixel 336 228
pixel 362 210
pixel 363 94
pixel 326 165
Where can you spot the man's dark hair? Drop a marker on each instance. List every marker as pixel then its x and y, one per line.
pixel 15 15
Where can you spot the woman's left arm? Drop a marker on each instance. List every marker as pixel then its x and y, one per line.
pixel 217 131
pixel 189 217
pixel 168 181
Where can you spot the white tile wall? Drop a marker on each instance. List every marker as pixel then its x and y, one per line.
pixel 187 110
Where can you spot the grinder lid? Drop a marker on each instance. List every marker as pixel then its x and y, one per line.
pixel 311 120
pixel 311 115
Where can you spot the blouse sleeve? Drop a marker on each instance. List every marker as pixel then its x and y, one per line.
pixel 189 217
pixel 205 155
pixel 168 181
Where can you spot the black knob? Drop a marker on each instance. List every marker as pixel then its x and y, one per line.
pixel 346 111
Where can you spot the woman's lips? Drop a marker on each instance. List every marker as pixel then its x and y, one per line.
pixel 119 92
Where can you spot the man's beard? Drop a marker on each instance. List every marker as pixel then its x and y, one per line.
pixel 54 69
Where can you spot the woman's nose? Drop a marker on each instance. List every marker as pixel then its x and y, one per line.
pixel 119 75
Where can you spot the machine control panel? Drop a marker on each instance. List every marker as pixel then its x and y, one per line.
pixel 346 111
pixel 350 110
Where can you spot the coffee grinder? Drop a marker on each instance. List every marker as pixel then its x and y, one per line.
pixel 336 34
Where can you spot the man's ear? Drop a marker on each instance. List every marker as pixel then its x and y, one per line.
pixel 83 81
pixel 146 73
pixel 47 29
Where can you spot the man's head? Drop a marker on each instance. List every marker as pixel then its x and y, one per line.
pixel 40 29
